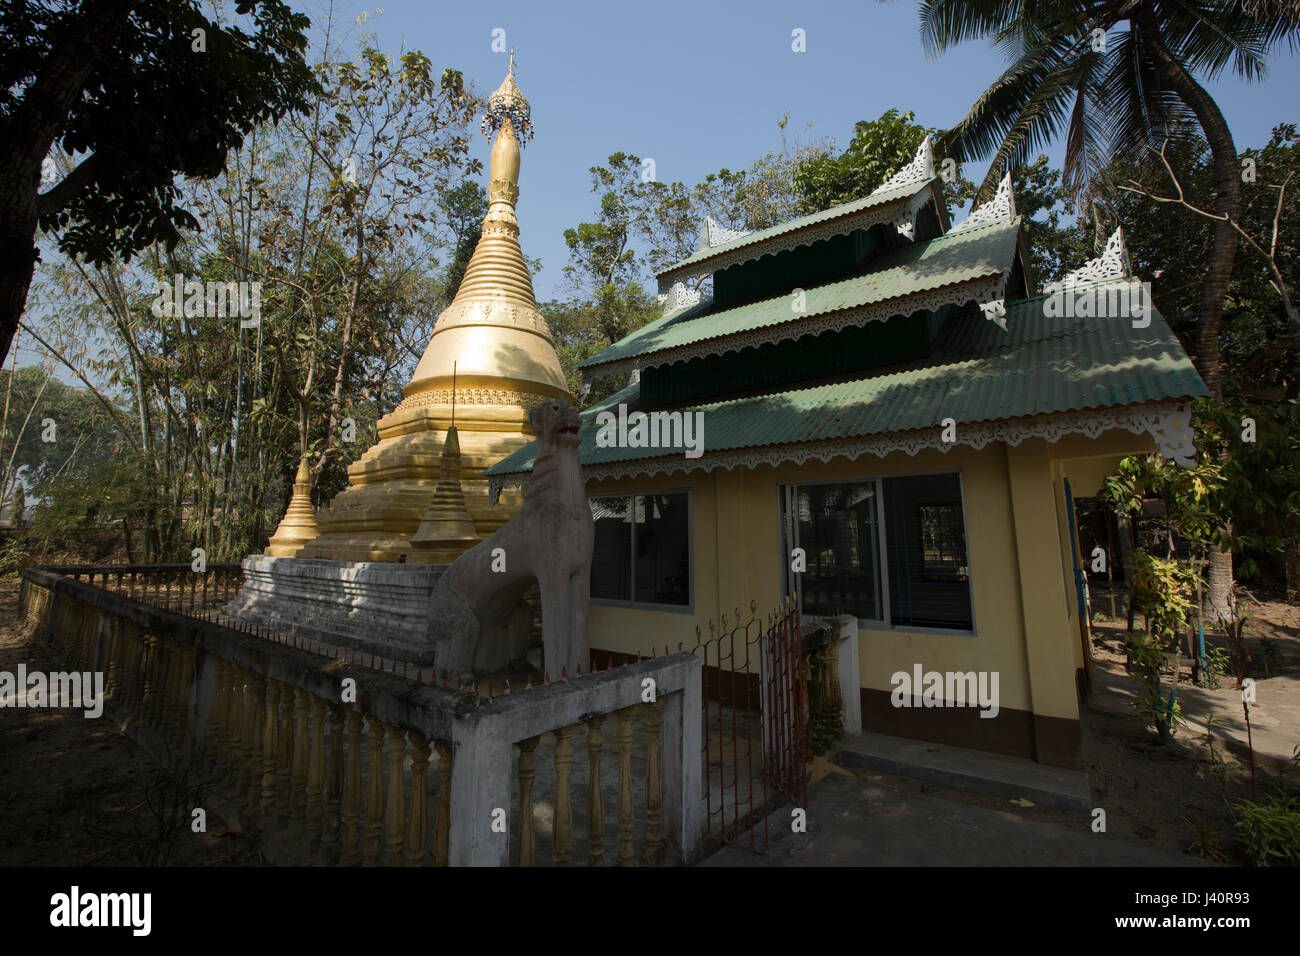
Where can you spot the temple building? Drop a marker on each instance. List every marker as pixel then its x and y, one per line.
pixel 879 414
pixel 489 360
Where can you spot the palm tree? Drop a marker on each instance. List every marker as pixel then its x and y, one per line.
pixel 1116 77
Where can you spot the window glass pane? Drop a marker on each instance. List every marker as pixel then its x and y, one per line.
pixel 611 556
pixel 929 574
pixel 838 528
pixel 663 549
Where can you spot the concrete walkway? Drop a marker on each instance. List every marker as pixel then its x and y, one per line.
pixel 1274 717
pixel 975 771
pixel 855 823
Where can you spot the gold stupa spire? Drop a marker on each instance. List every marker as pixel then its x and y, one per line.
pixel 493 329
pixel 298 527
pixel 491 358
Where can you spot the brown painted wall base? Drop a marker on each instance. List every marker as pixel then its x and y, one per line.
pixel 1018 733
pixel 726 687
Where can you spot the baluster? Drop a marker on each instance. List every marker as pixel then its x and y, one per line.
pixel 333 785
pixel 165 674
pixel 270 746
pixel 172 691
pixel 114 650
pixel 595 793
pixel 349 840
pixel 442 827
pixel 238 736
pixel 526 851
pixel 148 643
pixel 284 791
pixel 316 773
pixel 396 813
pixel 298 799
pixel 374 793
pixel 256 715
pixel 626 824
pixel 418 818
pixel 217 721
pixel 562 834
pixel 653 850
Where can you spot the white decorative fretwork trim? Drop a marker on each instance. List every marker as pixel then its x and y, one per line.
pixel 679 297
pixel 905 221
pixel 1001 206
pixel 884 213
pixel 918 170
pixel 1169 423
pixel 989 293
pixel 711 234
pixel 1173 433
pixel 1113 263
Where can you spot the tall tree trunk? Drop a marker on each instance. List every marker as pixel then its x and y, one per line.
pixel 1227 188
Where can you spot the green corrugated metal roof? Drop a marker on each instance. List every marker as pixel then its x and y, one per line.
pixel 803 222
pixel 943 261
pixel 977 373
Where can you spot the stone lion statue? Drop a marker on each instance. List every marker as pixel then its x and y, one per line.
pixel 479 621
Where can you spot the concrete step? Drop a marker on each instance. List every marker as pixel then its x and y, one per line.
pixel 975 771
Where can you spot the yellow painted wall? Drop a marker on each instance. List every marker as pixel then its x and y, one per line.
pixel 1017 542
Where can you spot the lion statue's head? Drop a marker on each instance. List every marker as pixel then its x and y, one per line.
pixel 556 423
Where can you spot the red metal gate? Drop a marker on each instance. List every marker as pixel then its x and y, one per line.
pixel 784 695
pixel 753 719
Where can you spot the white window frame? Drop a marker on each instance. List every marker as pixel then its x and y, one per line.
pixel 689 607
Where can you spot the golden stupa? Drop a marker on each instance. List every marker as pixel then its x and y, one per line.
pixel 491 347
pixel 446 531
pixel 298 526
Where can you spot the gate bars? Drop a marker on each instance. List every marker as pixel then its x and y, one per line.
pixel 753 720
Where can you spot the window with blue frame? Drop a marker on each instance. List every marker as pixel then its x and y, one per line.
pixel 890 551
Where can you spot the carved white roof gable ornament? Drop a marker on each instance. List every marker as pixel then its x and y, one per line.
pixel 1113 263
pixel 711 234
pixel 918 170
pixel 1001 207
pixel 678 297
pixel 1172 431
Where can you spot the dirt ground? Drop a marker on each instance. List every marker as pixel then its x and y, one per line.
pixel 78 792
pixel 1180 795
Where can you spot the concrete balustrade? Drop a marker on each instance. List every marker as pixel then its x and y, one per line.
pixel 346 781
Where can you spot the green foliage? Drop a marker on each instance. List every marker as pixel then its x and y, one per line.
pixel 1162 588
pixel 14 556
pixel 1207 844
pixel 1106 100
pixel 340 217
pixel 152 108
pixel 1271 830
pixel 1218 663
pixel 879 148
pixel 1154 709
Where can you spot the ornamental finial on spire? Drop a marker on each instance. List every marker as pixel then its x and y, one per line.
pixel 508 103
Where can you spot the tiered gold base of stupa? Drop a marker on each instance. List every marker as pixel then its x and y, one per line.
pixel 392 484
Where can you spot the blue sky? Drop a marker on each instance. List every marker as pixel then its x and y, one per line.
pixel 698 86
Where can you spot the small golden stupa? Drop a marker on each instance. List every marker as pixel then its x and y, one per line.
pixel 491 356
pixel 299 523
pixel 446 531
